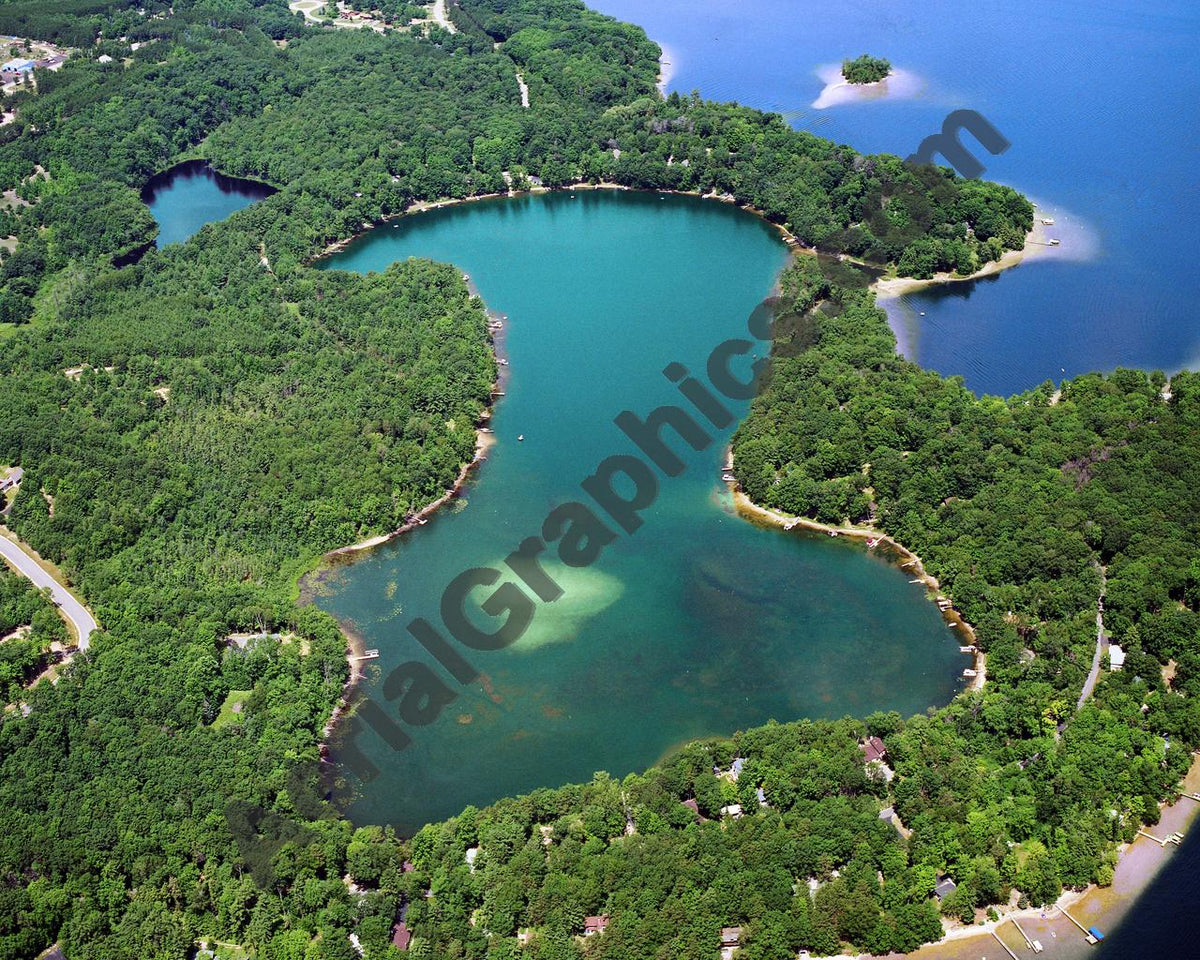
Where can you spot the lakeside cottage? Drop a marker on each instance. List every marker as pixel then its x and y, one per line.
pixel 875 759
pixel 873 750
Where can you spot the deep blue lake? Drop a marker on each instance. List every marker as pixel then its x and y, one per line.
pixel 1099 107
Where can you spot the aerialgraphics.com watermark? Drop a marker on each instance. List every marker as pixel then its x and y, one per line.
pixel 614 497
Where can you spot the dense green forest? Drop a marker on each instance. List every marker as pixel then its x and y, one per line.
pixel 239 412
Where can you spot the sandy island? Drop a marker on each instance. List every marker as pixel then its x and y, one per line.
pixel 897 85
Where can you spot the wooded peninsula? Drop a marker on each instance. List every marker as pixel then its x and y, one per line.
pixel 235 413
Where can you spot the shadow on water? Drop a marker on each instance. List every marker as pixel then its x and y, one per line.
pixel 191 194
pixel 161 183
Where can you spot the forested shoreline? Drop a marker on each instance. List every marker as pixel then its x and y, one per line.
pixel 238 413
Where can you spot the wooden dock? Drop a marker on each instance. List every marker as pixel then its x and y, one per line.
pixel 1034 945
pixel 368 655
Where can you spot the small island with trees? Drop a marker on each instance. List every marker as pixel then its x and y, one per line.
pixel 866 69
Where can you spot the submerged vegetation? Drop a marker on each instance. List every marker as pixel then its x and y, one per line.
pixel 238 413
pixel 866 69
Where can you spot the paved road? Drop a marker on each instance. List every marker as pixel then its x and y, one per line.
pixel 71 608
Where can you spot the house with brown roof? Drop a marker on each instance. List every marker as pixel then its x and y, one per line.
pixel 875 759
pixel 873 750
pixel 731 939
pixel 401 936
pixel 594 925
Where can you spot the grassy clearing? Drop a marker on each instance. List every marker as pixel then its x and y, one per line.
pixel 232 707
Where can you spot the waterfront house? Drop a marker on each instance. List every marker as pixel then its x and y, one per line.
pixel 875 759
pixel 873 750
pixel 595 924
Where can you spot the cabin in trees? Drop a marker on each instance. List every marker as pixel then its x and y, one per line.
pixel 873 750
pixel 731 939
pixel 594 925
pixel 692 805
pixel 401 936
pixel 945 887
pixel 1116 657
pixel 875 757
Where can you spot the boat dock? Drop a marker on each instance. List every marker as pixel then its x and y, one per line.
pixel 1090 934
pixel 1007 948
pixel 367 655
pixel 1034 945
pixel 1175 838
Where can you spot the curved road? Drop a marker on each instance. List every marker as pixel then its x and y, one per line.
pixel 74 611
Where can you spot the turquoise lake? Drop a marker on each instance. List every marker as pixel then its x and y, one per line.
pixel 700 623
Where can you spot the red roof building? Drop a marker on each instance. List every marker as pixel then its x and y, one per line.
pixel 594 925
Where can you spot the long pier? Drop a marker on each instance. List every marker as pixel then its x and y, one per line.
pixel 1006 947
pixel 1175 838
